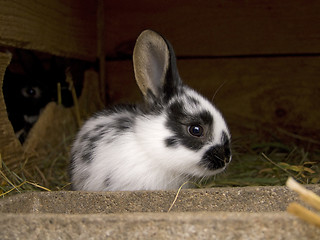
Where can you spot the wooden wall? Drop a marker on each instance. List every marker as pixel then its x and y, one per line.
pixel 217 28
pixel 265 56
pixel 64 28
pixel 10 147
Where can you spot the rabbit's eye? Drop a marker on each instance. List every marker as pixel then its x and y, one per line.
pixel 31 92
pixel 195 130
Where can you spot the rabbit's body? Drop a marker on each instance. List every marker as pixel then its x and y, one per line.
pixel 177 134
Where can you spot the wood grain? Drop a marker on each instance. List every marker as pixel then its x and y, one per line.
pixel 260 94
pixel 216 28
pixel 10 147
pixel 65 28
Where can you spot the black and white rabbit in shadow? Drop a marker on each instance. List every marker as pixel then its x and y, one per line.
pixel 27 90
pixel 175 135
pixel 30 83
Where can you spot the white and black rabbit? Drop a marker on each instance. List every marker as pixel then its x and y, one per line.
pixel 175 135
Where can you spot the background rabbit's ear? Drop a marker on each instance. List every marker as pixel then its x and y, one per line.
pixel 155 65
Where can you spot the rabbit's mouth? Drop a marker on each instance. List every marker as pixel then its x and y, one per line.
pixel 208 171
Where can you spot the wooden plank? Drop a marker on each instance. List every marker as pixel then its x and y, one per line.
pixel 101 47
pixel 65 28
pixel 261 94
pixel 10 147
pixel 216 28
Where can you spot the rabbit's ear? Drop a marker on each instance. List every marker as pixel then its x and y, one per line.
pixel 155 66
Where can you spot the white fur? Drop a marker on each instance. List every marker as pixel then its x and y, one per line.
pixel 139 159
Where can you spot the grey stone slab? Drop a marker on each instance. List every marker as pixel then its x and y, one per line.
pixel 175 225
pixel 217 213
pixel 245 199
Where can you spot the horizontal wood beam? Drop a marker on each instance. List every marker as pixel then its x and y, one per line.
pixel 216 28
pixel 252 93
pixel 63 28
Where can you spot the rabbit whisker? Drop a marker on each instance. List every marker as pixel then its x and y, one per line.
pixel 216 156
pixel 218 89
pixel 177 177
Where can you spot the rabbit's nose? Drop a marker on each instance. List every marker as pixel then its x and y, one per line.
pixel 226 148
pixel 227 154
pixel 217 157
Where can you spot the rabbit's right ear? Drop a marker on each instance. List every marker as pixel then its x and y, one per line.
pixel 155 65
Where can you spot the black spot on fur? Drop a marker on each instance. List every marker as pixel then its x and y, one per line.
pixel 227 146
pixel 206 118
pixel 171 142
pixel 89 140
pixel 106 182
pixel 88 152
pixel 124 124
pixel 84 137
pixel 95 138
pixel 173 83
pixel 87 156
pixel 176 110
pixel 108 131
pixel 178 122
pixel 193 100
pixel 217 156
pixel 214 158
pixel 99 128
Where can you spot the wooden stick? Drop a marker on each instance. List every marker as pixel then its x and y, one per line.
pixel 59 98
pixel 303 213
pixel 306 195
pixel 74 97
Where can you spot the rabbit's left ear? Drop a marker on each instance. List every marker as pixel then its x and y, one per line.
pixel 155 66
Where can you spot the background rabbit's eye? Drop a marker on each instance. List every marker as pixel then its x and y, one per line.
pixel 195 130
pixel 31 92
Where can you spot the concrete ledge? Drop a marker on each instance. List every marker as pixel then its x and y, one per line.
pixel 198 225
pixel 218 213
pixel 245 199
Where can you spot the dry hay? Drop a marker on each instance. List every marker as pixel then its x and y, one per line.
pixel 254 163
